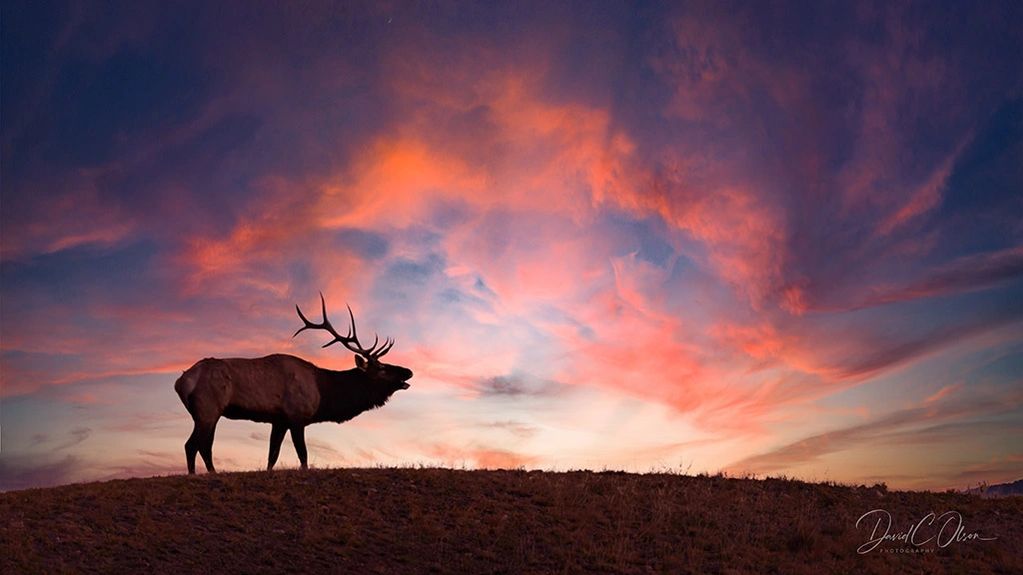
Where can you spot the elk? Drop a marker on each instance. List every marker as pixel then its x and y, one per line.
pixel 286 391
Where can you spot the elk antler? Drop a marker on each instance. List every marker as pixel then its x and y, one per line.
pixel 351 341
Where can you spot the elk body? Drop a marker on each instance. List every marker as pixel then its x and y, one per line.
pixel 285 391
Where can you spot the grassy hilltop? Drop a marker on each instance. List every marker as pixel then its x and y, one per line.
pixel 448 521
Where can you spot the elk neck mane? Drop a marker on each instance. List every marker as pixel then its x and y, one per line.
pixel 345 394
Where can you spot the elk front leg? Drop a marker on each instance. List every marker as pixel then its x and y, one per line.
pixel 298 438
pixel 276 438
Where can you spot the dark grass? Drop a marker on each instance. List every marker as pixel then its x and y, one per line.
pixel 449 521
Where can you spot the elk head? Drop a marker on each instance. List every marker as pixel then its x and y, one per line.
pixel 367 360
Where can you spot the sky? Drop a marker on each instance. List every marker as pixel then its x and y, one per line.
pixel 764 239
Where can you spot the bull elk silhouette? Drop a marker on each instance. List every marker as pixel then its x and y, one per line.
pixel 285 391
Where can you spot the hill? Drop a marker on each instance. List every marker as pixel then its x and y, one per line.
pixel 449 521
pixel 999 490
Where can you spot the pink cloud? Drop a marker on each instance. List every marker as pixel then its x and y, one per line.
pixel 925 198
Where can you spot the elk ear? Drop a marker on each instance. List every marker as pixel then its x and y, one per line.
pixel 360 362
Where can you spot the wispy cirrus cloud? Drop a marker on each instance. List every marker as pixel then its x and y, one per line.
pixel 951 418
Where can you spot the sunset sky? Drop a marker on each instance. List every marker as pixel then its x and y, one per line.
pixel 767 239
